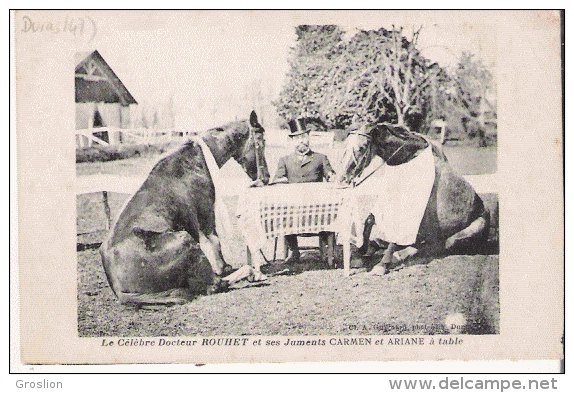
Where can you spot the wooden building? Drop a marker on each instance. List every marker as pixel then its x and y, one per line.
pixel 102 100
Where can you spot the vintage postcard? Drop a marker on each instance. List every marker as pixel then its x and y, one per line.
pixel 206 187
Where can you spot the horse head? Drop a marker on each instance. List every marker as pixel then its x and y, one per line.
pixel 396 144
pixel 252 154
pixel 357 154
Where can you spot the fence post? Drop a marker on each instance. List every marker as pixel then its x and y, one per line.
pixel 442 133
pixel 90 126
pixel 107 210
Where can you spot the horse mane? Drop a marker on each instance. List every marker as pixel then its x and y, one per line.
pixel 400 132
pixel 225 127
pixel 217 131
pixel 403 133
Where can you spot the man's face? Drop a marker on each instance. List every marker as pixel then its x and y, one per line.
pixel 301 142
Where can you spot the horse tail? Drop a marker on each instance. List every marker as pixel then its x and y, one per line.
pixel 481 212
pixel 369 222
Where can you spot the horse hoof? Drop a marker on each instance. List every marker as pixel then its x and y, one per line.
pixel 379 270
pixel 402 255
pixel 256 277
pixel 357 263
pixel 227 269
pixel 369 252
pixel 218 285
pixel 222 285
pixel 212 289
pixel 449 243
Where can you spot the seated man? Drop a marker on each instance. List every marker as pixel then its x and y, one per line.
pixel 302 166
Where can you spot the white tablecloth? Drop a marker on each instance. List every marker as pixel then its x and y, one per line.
pixel 286 209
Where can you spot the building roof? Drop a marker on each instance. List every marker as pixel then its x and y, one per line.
pixel 92 68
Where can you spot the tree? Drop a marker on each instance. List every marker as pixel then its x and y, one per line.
pixel 408 75
pixel 383 76
pixel 170 112
pixel 310 61
pixel 471 83
pixel 155 121
pixel 353 90
pixel 378 75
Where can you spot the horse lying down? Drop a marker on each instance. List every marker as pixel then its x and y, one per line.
pixel 164 248
pixel 452 216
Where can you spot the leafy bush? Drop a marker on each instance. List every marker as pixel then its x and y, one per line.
pixel 381 75
pixel 98 153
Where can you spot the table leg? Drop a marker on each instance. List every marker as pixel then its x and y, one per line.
pixel 346 240
pixel 330 248
pixel 285 248
pixel 248 254
pixel 347 256
pixel 275 249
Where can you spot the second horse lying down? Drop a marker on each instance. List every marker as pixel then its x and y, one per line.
pixel 450 212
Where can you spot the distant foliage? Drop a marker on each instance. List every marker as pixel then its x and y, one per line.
pixel 318 50
pixel 377 75
pixel 472 83
pixel 121 152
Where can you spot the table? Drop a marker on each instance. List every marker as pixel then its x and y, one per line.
pixel 289 209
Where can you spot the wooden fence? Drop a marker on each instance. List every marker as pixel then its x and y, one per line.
pixel 105 136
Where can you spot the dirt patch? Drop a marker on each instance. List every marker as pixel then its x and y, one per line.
pixel 308 299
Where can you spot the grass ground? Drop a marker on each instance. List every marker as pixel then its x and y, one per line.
pixel 466 160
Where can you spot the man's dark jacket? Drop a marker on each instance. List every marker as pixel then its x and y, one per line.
pixel 313 168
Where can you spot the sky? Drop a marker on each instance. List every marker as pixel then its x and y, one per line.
pixel 201 58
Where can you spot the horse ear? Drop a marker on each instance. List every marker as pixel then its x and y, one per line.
pixel 253 119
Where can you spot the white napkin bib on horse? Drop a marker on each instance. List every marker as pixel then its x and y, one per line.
pixel 404 193
pixel 222 221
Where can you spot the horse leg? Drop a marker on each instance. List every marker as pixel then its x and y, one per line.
pixel 478 229
pixel 380 268
pixel 200 280
pixel 212 250
pixel 170 297
pixel 405 253
pixel 214 239
pixel 255 263
pixel 244 271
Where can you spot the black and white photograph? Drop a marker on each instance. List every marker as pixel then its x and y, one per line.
pixel 292 185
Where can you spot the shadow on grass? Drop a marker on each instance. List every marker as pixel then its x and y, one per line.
pixel 87 246
pixel 309 261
